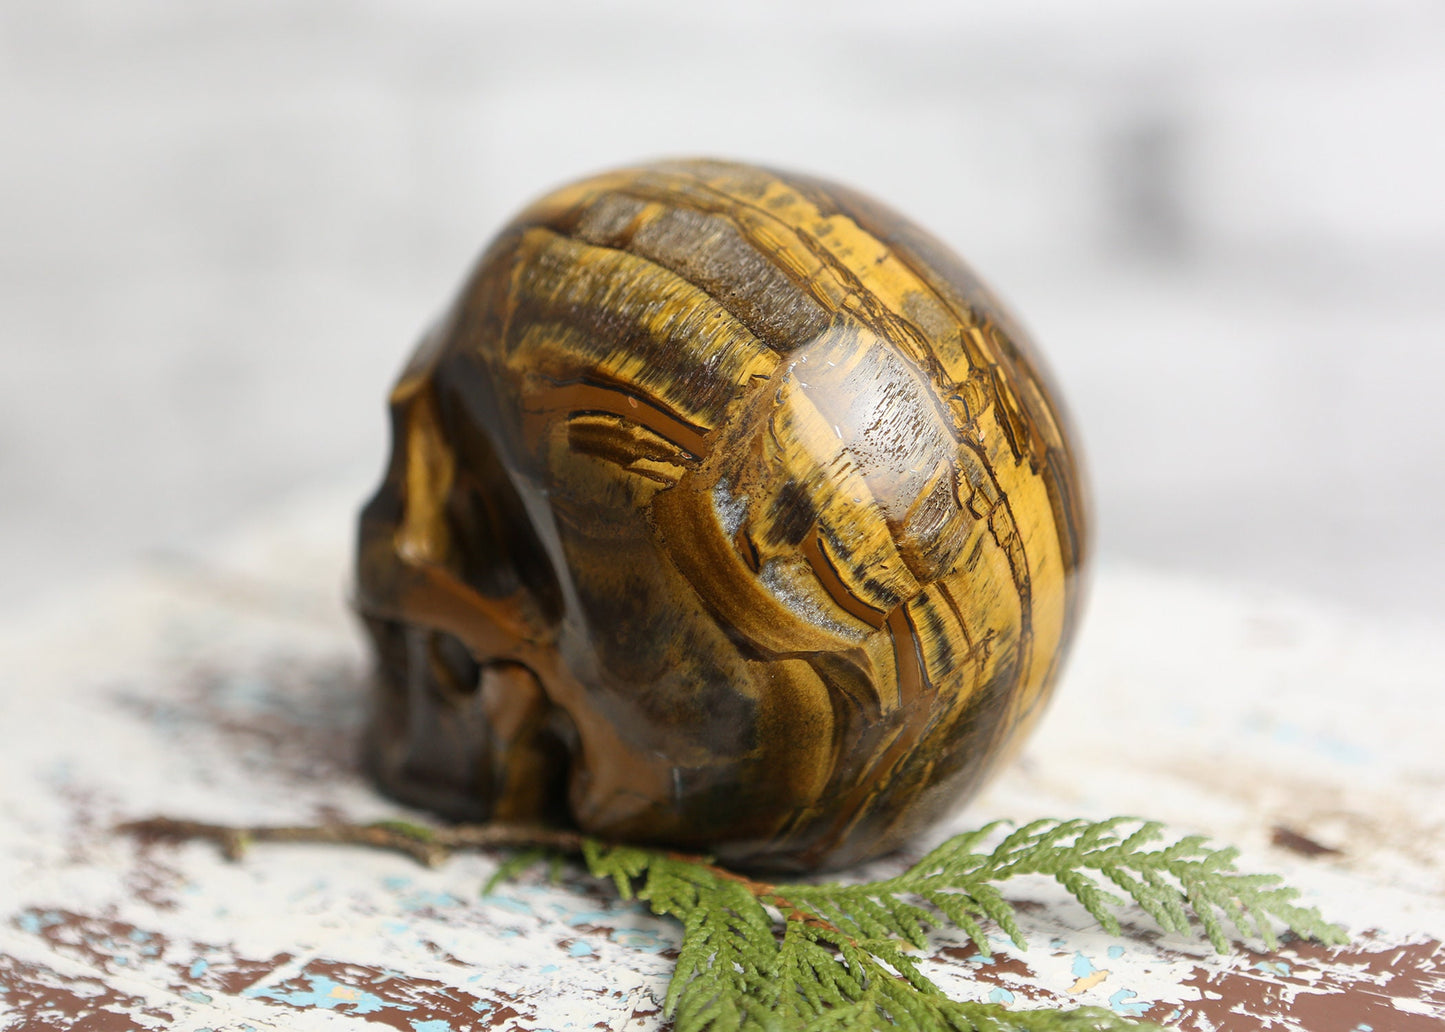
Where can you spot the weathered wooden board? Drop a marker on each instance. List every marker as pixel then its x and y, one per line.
pixel 229 687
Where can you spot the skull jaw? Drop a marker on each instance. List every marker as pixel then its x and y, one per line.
pixel 484 741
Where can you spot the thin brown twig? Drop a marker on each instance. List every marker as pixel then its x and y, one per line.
pixel 430 846
pixel 433 845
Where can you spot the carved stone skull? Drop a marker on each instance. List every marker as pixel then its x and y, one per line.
pixel 726 509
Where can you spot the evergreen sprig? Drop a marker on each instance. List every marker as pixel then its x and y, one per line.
pixel 833 957
pixel 838 961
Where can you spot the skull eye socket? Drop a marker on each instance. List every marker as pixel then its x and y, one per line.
pixel 455 672
pixel 496 548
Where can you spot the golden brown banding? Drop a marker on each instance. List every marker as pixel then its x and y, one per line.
pixel 760 500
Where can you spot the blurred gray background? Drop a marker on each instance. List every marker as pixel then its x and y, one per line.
pixel 223 224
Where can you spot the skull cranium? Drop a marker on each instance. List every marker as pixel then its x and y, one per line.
pixel 726 509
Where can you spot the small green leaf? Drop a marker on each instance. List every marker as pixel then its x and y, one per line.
pixel 420 832
pixel 513 866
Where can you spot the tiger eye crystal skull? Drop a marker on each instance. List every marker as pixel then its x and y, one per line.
pixel 727 510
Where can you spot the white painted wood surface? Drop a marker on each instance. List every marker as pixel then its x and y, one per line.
pixel 231 687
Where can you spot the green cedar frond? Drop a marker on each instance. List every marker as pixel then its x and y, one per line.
pixel 833 957
pixel 957 883
pixel 513 866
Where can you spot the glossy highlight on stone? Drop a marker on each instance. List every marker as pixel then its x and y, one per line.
pixel 726 509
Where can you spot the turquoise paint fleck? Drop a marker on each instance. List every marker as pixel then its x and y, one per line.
pixel 35 921
pixel 516 906
pixel 430 900
pixel 1289 733
pixel 1115 952
pixel 1120 1004
pixel 436 1025
pixel 195 996
pixel 1000 995
pixel 1342 751
pixel 1083 966
pixel 326 994
pixel 638 939
pixel 580 949
pixel 550 969
pixel 246 692
pixel 198 967
pixel 594 917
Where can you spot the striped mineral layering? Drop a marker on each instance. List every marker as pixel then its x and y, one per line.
pixel 727 509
